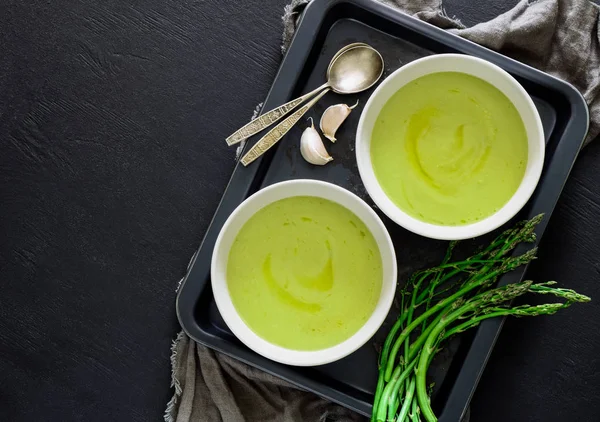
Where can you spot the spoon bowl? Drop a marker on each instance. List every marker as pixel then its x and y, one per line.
pixel 354 69
pixel 341 50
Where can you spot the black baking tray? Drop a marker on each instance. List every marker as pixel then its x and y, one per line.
pixel 324 27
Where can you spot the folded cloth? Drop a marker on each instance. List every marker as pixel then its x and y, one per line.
pixel 211 386
pixel 560 37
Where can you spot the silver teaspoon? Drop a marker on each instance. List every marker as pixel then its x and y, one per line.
pixel 352 70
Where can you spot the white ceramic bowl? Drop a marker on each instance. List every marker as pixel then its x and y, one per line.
pixel 274 193
pixel 483 70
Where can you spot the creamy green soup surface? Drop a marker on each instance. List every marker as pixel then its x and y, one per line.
pixel 304 273
pixel 449 148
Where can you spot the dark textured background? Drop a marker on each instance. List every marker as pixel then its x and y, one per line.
pixel 112 162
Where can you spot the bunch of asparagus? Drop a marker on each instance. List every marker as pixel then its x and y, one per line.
pixel 440 302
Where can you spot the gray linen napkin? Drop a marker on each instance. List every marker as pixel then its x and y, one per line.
pixel 560 37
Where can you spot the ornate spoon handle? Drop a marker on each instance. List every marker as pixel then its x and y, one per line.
pixel 267 119
pixel 278 132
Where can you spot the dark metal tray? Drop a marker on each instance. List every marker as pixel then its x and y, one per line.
pixel 326 26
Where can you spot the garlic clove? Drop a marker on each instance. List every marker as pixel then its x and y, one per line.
pixel 333 118
pixel 312 148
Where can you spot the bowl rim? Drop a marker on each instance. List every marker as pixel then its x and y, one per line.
pixel 444 232
pixel 281 354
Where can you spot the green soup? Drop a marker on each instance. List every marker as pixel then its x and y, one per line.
pixel 449 149
pixel 304 273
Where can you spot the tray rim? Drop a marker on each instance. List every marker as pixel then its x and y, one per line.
pixel 282 88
